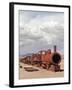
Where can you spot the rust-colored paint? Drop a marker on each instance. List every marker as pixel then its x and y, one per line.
pixel 47 56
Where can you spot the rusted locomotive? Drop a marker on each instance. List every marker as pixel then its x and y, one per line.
pixel 45 59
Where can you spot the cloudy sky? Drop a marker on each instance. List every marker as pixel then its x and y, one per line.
pixel 40 30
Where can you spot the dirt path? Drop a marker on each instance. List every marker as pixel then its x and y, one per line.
pixel 41 73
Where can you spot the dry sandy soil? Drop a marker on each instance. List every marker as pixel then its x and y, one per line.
pixel 41 73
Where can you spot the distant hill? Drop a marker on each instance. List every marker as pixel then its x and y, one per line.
pixel 29 54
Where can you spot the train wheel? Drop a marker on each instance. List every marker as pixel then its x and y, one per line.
pixel 48 66
pixel 43 66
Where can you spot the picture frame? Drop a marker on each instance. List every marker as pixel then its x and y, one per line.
pixel 29 22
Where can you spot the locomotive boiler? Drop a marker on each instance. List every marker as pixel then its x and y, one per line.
pixel 51 60
pixel 46 59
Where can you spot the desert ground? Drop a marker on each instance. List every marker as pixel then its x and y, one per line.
pixel 41 73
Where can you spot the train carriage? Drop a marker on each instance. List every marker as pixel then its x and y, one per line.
pixel 45 59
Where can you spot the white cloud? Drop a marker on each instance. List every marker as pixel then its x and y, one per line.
pixel 41 29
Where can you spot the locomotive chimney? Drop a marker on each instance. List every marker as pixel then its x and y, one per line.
pixel 55 48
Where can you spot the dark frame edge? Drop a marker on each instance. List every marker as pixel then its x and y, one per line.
pixel 11 45
pixel 40 4
pixel 69 46
pixel 35 85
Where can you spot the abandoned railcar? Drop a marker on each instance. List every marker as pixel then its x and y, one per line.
pixel 45 59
